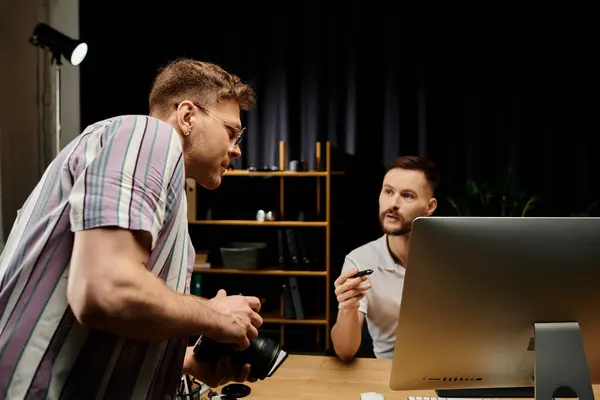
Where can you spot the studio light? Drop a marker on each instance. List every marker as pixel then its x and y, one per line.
pixel 59 45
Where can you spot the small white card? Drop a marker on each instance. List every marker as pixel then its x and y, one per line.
pixel 371 396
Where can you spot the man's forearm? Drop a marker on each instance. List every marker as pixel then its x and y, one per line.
pixel 346 333
pixel 143 307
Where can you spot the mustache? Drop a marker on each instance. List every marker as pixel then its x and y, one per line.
pixel 392 212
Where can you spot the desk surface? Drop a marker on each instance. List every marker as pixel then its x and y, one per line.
pixel 324 378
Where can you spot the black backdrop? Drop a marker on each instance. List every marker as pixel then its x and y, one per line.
pixel 479 87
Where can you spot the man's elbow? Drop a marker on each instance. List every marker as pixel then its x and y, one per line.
pixel 344 351
pixel 94 304
pixel 345 356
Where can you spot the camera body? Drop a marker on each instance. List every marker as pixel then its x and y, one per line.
pixel 264 355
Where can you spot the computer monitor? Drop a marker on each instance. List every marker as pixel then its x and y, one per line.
pixel 500 302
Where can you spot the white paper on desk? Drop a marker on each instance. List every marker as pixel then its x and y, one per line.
pixel 280 358
pixel 371 396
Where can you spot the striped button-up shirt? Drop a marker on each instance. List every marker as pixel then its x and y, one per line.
pixel 123 172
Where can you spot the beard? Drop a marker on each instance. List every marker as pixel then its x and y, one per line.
pixel 404 229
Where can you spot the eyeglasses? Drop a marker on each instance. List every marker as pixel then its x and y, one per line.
pixel 235 133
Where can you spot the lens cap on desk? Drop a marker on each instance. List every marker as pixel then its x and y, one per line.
pixel 236 390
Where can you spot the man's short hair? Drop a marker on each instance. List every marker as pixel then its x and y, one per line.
pixel 204 82
pixel 416 163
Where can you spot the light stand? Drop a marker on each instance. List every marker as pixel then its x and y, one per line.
pixel 60 46
pixel 57 100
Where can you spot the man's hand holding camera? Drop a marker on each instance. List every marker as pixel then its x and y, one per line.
pixel 226 370
pixel 237 319
pixel 236 323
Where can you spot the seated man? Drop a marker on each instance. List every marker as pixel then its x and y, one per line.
pixel 406 193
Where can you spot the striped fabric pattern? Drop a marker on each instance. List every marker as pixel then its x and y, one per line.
pixel 126 172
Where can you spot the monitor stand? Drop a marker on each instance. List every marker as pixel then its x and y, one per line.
pixel 561 369
pixel 560 360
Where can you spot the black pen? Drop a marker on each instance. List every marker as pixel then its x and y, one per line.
pixel 362 273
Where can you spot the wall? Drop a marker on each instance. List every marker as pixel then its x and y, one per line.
pixel 27 98
pixel 64 16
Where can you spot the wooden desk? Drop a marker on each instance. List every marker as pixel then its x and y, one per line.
pixel 325 378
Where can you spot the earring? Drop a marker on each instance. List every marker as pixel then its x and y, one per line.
pixel 188 132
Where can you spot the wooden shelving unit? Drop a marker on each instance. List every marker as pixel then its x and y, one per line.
pixel 269 272
pixel 273 318
pixel 323 183
pixel 261 223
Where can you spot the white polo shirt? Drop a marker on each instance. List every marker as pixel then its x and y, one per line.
pixel 381 305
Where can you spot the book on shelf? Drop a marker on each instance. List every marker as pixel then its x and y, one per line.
pixel 292 302
pixel 292 250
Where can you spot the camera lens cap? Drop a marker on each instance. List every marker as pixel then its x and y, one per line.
pixel 236 390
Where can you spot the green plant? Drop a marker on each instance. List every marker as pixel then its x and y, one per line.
pixel 486 200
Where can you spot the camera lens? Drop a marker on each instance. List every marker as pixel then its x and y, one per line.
pixel 262 356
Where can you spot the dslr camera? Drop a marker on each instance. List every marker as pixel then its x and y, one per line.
pixel 264 355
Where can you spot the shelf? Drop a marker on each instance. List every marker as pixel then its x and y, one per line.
pixel 240 172
pixel 323 178
pixel 275 318
pixel 272 272
pixel 274 173
pixel 259 223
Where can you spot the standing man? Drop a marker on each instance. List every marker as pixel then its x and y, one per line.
pixel 406 193
pixel 94 278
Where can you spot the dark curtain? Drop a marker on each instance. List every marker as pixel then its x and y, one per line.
pixel 326 73
pixel 479 87
pixel 513 85
pixel 345 74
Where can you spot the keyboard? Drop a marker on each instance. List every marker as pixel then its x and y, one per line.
pixel 441 398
